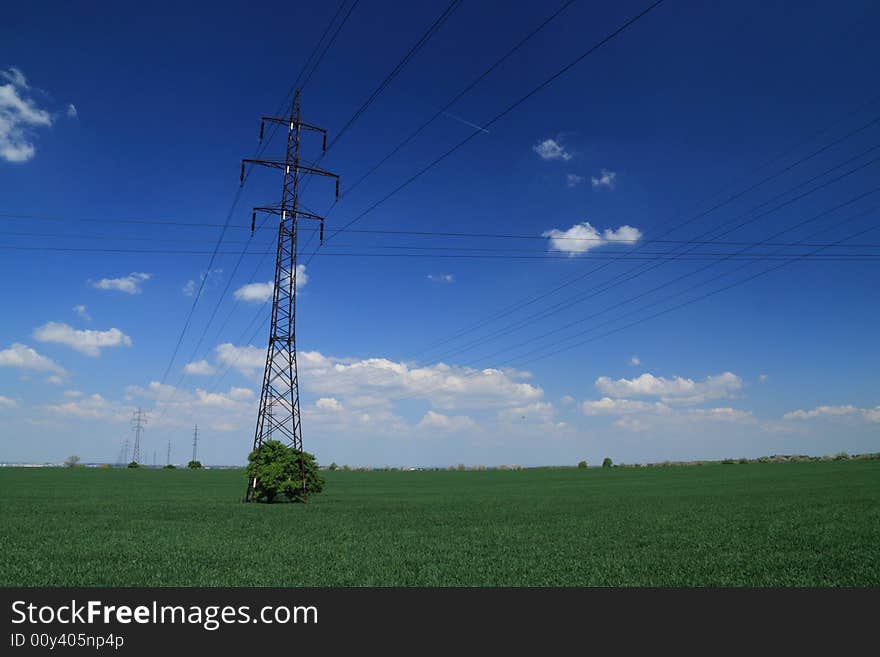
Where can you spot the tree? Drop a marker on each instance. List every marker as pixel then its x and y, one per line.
pixel 607 462
pixel 134 464
pixel 194 465
pixel 278 470
pixel 333 466
pixel 170 466
pixel 582 464
pixel 71 461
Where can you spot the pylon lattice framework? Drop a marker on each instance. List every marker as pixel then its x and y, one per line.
pixel 279 412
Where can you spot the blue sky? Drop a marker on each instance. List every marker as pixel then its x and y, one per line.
pixel 115 114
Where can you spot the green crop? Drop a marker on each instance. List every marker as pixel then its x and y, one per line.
pixel 787 524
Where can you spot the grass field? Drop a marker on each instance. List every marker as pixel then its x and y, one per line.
pixel 798 524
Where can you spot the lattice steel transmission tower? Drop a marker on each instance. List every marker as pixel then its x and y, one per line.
pixel 138 421
pixel 195 442
pixel 279 413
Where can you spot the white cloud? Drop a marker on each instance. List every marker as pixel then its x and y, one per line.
pixel 6 402
pixel 347 378
pixel 573 180
pixel 189 289
pixel 87 342
pixel 82 313
pixel 675 390
pixel 55 380
pixel 550 149
pixel 635 360
pixel 441 278
pixel 233 410
pixel 247 360
pixel 200 368
pixel 432 420
pixel 609 406
pixel 762 377
pixel 19 115
pixel 262 292
pixel 23 357
pixel 582 237
pixel 328 404
pixel 567 400
pixel 92 407
pixel 130 284
pixel 606 179
pixel 71 111
pixel 832 412
pixel 16 77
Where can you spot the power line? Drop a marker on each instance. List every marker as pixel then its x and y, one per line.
pixel 508 310
pixel 626 25
pixel 629 275
pixel 456 98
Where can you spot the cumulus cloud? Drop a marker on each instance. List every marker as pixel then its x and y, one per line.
pixel 19 116
pixel 199 368
pixel 441 385
pixel 609 406
pixel 262 292
pixel 606 179
pixel 87 342
pixel 55 380
pixel 675 390
pixel 130 284
pixel 23 357
pixel 6 402
pixel 573 180
pixel 432 420
pixel 232 410
pixel 82 313
pixel 91 407
pixel 71 111
pixel 328 404
pixel 635 360
pixel 832 412
pixel 441 278
pixel 550 149
pixel 583 237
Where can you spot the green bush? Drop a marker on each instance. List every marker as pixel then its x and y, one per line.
pixel 841 456
pixel 194 465
pixel 275 469
pixel 582 464
pixel 607 462
pixel 134 464
pixel 333 466
pixel 170 466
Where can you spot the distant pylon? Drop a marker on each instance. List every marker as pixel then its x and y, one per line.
pixel 168 456
pixel 279 412
pixel 195 442
pixel 138 421
pixel 122 459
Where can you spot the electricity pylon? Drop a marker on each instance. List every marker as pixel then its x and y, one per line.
pixel 195 442
pixel 138 420
pixel 279 413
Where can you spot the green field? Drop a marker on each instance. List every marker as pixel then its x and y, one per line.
pixel 788 524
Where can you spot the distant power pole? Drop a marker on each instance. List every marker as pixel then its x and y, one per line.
pixel 138 421
pixel 279 412
pixel 195 442
pixel 168 456
pixel 122 459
